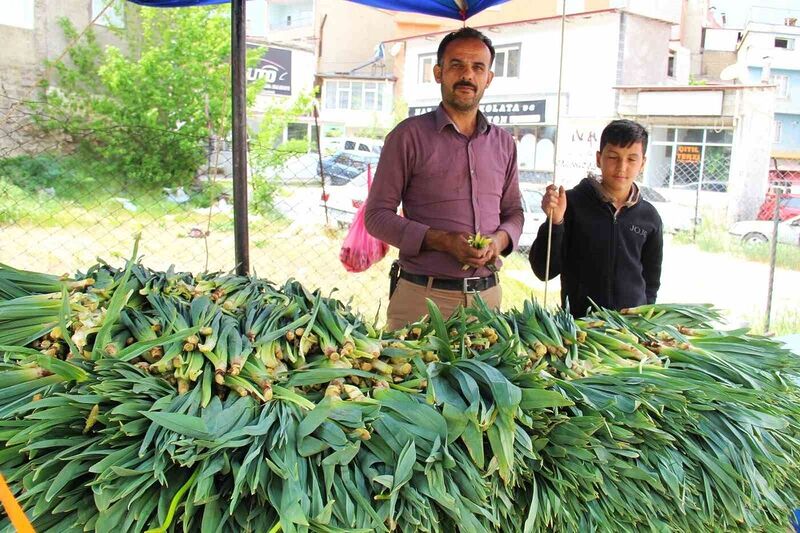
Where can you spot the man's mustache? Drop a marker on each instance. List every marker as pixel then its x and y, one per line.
pixel 465 84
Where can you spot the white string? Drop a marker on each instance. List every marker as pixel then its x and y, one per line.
pixel 555 148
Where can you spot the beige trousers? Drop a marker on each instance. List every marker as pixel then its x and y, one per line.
pixel 407 304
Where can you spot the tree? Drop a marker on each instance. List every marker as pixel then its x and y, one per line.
pixel 146 113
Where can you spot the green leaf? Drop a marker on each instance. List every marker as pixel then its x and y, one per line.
pixel 191 426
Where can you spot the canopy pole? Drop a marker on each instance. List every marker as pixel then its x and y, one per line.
pixel 239 127
pixel 555 147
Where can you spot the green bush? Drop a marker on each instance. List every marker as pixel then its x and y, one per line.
pixel 146 113
pixel 68 176
pixel 15 202
pixel 210 193
pixel 264 190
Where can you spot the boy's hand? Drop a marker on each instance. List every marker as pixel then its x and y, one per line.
pixel 554 203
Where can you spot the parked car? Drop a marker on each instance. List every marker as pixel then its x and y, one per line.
pixel 539 177
pixel 343 199
pixel 760 231
pixel 534 216
pixel 356 144
pixel 339 168
pixel 675 217
pixel 343 166
pixel 789 207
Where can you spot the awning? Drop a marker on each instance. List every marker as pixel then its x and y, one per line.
pixel 454 9
pixel 178 3
pixel 784 163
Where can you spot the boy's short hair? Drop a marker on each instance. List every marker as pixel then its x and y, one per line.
pixel 624 133
pixel 464 33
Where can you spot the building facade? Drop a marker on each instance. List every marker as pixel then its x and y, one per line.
pixel 771 54
pixel 602 49
pixel 351 71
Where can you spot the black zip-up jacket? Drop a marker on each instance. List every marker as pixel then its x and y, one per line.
pixel 614 260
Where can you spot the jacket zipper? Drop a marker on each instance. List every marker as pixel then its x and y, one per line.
pixel 611 284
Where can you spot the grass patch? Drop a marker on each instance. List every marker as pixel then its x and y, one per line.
pixel 712 236
pixel 785 323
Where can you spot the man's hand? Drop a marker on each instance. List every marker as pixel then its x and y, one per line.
pixel 554 203
pixel 500 242
pixel 455 243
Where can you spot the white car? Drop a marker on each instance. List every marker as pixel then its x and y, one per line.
pixel 355 144
pixel 534 216
pixel 674 216
pixel 760 231
pixel 342 201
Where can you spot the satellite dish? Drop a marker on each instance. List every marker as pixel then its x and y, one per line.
pixel 395 49
pixel 737 71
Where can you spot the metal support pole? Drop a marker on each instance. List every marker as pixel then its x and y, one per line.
pixel 321 168
pixel 773 252
pixel 239 120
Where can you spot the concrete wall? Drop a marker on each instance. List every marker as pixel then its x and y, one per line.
pixel 790 133
pixel 22 59
pixel 646 51
pixel 714 62
pixel 759 41
pixel 350 35
pixel 694 16
pixel 750 159
pixel 590 63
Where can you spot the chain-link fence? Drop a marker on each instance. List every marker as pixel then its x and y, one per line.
pixel 62 206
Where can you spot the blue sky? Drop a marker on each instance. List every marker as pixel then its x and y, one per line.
pixel 773 11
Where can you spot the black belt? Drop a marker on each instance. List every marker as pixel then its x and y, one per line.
pixel 462 284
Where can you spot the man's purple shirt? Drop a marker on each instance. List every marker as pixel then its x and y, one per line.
pixel 447 182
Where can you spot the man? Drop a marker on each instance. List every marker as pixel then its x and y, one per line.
pixel 607 241
pixel 456 176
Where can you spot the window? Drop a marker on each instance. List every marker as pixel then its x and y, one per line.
pixel 20 16
pixel 671 65
pixel 426 62
pixel 114 16
pixel 784 42
pixel 782 84
pixel 330 95
pixel 506 61
pixel 343 101
pixel 777 131
pixel 354 95
pixel 296 130
pixel 689 158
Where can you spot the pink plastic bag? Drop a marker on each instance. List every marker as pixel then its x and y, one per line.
pixel 360 250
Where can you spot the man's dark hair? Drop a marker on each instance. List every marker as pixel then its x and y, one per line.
pixel 624 133
pixel 464 33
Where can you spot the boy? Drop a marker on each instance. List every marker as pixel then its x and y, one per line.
pixel 607 241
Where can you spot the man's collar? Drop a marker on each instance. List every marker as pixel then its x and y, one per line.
pixel 443 119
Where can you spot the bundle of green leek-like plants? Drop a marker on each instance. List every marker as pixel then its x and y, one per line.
pixel 134 400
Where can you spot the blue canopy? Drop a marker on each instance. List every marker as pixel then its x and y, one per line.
pixel 454 9
pixel 177 3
